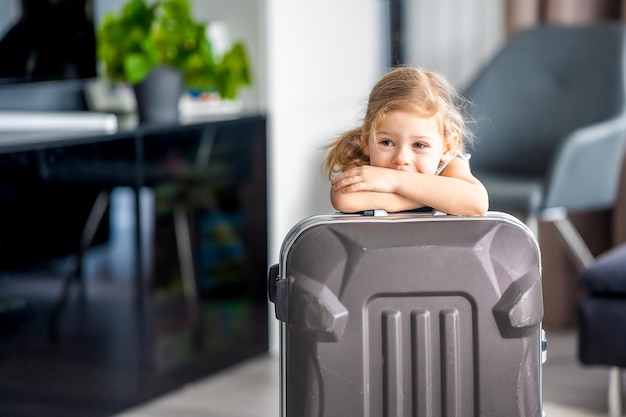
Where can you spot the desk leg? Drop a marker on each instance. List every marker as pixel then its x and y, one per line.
pixel 139 270
pixel 94 219
pixel 185 256
pixel 139 182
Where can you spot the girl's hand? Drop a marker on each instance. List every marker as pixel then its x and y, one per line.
pixel 366 178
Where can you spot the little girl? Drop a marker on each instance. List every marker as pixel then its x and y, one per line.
pixel 409 151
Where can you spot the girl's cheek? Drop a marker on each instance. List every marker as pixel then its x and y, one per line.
pixel 377 161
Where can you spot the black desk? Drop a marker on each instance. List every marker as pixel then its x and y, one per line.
pixel 208 176
pixel 134 156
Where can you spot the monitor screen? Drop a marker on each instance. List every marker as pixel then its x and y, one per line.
pixel 46 40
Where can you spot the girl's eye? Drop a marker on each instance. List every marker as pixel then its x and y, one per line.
pixel 419 145
pixel 386 142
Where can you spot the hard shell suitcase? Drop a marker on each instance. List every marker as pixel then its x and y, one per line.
pixel 409 315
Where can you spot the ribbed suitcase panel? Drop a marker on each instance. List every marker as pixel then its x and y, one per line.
pixel 423 348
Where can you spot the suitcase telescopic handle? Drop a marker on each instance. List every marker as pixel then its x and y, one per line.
pixel 383 212
pixel 375 212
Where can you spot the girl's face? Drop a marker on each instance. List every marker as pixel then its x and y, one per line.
pixel 407 142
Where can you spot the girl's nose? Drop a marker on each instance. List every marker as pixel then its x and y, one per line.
pixel 401 158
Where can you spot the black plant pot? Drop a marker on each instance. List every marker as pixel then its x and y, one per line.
pixel 158 95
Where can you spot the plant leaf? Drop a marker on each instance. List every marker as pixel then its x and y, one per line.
pixel 137 67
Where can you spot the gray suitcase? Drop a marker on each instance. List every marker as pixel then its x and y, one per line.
pixel 409 315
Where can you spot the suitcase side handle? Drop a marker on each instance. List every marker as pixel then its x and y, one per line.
pixel 272 279
pixel 320 314
pixel 278 293
pixel 520 309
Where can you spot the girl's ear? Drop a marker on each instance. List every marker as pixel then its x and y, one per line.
pixel 451 144
pixel 448 150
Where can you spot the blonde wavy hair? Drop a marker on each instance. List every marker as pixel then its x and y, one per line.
pixel 423 92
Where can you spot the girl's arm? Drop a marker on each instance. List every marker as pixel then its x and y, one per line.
pixel 454 191
pixel 351 202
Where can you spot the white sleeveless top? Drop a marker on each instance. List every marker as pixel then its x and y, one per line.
pixel 444 164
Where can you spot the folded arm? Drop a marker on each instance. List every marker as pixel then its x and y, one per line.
pixel 454 191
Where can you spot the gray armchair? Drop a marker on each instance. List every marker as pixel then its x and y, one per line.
pixel 550 124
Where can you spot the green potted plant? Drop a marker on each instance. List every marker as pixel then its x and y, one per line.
pixel 149 39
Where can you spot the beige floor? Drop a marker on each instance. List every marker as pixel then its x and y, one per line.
pixel 250 389
pixel 570 389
